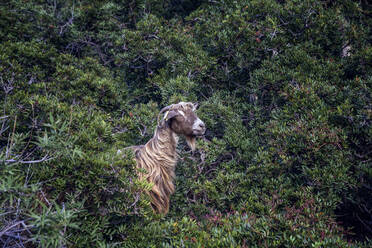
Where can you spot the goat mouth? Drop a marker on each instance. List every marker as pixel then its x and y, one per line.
pixel 198 132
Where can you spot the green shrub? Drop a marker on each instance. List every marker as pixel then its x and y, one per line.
pixel 285 161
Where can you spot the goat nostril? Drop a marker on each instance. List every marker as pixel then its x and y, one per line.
pixel 201 125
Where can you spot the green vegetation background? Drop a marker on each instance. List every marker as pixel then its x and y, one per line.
pixel 286 160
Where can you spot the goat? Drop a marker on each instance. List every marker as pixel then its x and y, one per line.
pixel 158 157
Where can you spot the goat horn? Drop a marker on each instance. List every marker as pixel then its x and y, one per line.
pixel 195 106
pixel 163 110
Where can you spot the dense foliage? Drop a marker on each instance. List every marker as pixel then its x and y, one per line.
pixel 284 88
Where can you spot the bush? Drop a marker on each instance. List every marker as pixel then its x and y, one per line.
pixel 286 158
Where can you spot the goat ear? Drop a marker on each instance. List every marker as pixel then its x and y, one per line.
pixel 170 114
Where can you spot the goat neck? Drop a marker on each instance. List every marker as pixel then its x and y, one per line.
pixel 159 157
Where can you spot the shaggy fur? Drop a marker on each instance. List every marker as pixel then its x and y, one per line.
pixel 158 157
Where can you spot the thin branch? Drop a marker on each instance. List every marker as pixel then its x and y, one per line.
pixel 45 198
pixel 69 22
pixel 6 213
pixel 361 221
pixel 11 140
pixel 15 237
pixel 10 227
pixel 45 158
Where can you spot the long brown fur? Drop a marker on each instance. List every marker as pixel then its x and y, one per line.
pixel 158 158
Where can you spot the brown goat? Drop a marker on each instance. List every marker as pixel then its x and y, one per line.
pixel 158 157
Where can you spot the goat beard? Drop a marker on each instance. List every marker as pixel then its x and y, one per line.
pixel 191 142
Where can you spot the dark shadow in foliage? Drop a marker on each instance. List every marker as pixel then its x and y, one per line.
pixel 182 8
pixel 355 214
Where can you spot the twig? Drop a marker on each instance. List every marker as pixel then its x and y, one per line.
pixel 70 122
pixel 69 22
pixel 32 129
pixel 16 237
pixel 45 158
pixel 11 140
pixel 45 198
pixel 10 227
pixel 27 178
pixel 6 213
pixel 143 133
pixel 364 224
